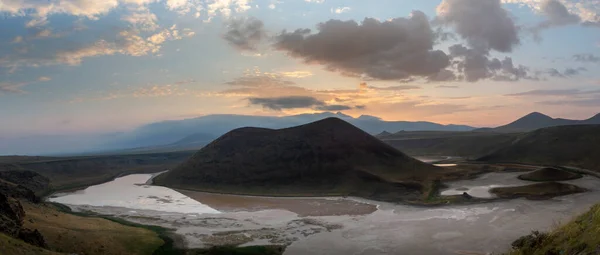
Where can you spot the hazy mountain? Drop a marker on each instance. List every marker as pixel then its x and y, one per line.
pixel 538 120
pixel 169 132
pixel 327 157
pixel 574 145
pixel 55 144
pixel 194 133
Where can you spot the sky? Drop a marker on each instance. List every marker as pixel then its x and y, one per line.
pixel 88 66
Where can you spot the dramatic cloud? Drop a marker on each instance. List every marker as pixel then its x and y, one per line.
pixel 557 14
pixel 130 44
pixel 586 58
pixel 484 24
pixel 295 102
pixel 587 10
pixel 291 102
pixel 127 42
pixel 39 11
pixel 395 49
pixel 477 65
pixel 337 107
pixel 245 33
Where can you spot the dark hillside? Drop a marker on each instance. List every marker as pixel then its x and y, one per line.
pixel 325 157
pixel 577 146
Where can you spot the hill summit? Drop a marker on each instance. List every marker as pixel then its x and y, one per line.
pixel 327 157
pixel 536 120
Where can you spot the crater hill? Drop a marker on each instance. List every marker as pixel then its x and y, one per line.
pixel 327 157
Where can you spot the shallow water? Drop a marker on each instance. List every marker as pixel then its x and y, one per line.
pixel 391 229
pixel 132 192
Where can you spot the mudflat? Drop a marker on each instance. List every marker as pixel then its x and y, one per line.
pixel 304 207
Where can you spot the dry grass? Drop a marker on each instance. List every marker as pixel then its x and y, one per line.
pixel 87 235
pixel 11 246
pixel 580 236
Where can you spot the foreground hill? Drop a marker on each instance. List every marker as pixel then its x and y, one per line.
pixel 538 120
pixel 580 236
pixel 327 157
pixel 576 146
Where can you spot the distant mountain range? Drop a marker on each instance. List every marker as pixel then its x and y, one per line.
pixel 538 120
pixel 192 134
pixel 196 132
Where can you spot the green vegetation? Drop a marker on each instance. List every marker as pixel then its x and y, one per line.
pixel 559 146
pixel 543 190
pixel 549 174
pixel 88 235
pixel 580 236
pixel 12 246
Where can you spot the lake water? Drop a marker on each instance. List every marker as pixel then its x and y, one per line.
pixel 388 229
pixel 132 192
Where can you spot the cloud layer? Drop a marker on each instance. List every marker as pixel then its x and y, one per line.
pixel 245 33
pixel 400 48
pixel 484 24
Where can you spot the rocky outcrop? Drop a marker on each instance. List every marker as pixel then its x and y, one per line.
pixel 33 237
pixel 30 180
pixel 11 222
pixel 11 215
pixel 17 191
pixel 466 195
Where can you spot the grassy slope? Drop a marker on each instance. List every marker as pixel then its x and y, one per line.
pixel 563 146
pixel 463 144
pixel 580 236
pixel 88 235
pixel 12 246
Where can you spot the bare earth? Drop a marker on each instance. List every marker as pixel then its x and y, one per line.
pixel 302 206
